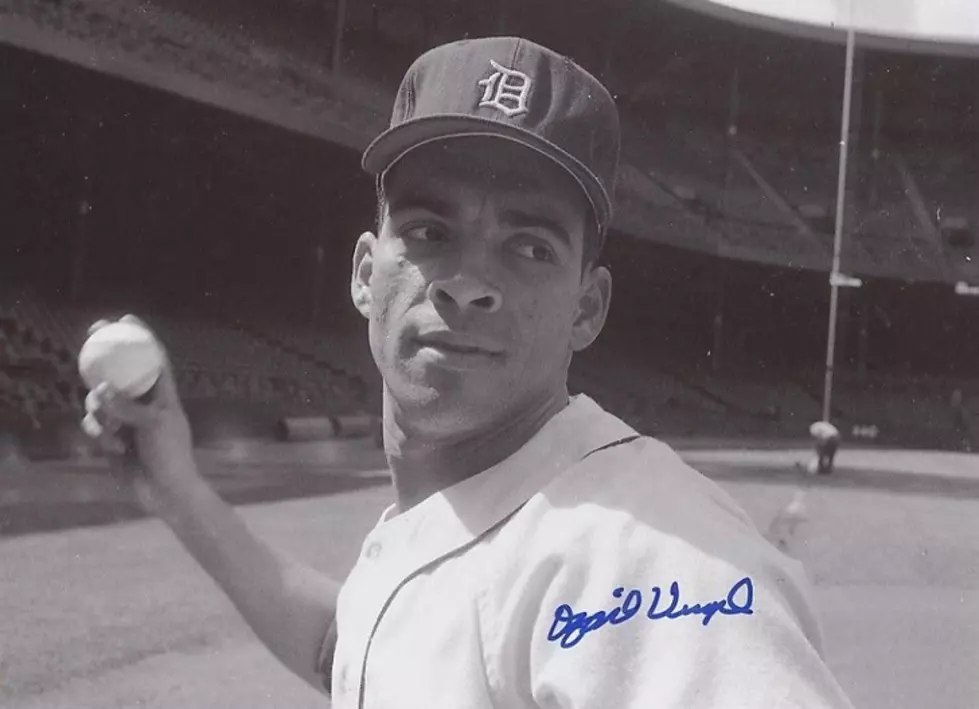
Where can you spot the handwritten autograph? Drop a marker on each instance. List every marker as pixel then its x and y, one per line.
pixel 570 628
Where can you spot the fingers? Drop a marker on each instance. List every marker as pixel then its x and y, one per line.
pixel 120 408
pixel 109 415
pixel 99 425
pixel 97 325
pixel 135 320
pixel 112 418
pixel 132 319
pixel 164 392
pixel 96 409
pixel 109 440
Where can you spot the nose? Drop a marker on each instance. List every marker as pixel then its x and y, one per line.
pixel 467 293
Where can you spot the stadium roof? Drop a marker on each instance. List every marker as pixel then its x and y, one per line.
pixel 922 26
pixel 672 187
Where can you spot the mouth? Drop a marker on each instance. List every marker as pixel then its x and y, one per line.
pixel 455 345
pixel 454 348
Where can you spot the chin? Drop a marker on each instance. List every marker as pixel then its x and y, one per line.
pixel 442 407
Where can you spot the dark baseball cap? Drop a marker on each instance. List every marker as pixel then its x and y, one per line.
pixel 510 88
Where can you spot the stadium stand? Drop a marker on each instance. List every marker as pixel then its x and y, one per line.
pixel 804 172
pixel 215 364
pixel 679 185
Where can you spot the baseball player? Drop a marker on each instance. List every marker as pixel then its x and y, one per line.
pixel 540 553
pixel 826 439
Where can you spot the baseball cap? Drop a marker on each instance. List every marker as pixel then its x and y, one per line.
pixel 514 89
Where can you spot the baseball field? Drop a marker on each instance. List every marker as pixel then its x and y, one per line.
pixel 100 608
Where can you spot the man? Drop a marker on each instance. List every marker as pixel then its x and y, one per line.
pixel 540 553
pixel 826 438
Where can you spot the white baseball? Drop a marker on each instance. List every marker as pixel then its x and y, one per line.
pixel 124 355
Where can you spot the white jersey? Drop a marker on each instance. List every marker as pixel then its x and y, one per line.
pixel 591 569
pixel 823 431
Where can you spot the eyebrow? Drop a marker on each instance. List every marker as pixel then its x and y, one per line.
pixel 515 218
pixel 429 203
pixel 524 220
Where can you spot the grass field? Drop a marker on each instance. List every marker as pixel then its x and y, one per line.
pixel 119 616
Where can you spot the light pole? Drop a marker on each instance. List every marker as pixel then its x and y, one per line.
pixel 836 280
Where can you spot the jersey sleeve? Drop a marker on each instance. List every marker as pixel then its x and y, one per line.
pixel 711 636
pixel 640 584
pixel 596 626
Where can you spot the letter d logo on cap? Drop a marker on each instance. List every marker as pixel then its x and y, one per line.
pixel 506 90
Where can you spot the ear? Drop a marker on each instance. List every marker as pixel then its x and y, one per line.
pixel 363 269
pixel 593 303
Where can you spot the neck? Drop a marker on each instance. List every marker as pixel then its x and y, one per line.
pixel 423 465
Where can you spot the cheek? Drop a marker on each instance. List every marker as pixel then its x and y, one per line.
pixel 546 323
pixel 395 285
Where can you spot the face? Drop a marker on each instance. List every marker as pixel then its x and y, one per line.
pixel 474 286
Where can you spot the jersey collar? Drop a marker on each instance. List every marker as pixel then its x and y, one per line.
pixel 466 510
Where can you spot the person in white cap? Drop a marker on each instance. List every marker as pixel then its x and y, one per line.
pixel 540 552
pixel 826 438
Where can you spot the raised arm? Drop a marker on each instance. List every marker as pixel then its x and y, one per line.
pixel 289 606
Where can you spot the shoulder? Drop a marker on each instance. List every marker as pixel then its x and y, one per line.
pixel 636 515
pixel 644 483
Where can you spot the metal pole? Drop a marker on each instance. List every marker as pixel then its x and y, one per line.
pixel 838 237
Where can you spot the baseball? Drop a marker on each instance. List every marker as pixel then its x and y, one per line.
pixel 124 355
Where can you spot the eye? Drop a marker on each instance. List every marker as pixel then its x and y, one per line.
pixel 537 251
pixel 425 233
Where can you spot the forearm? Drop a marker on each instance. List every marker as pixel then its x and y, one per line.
pixel 289 606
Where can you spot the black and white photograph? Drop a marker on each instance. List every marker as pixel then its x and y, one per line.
pixel 434 354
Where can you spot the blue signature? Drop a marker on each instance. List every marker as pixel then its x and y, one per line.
pixel 569 628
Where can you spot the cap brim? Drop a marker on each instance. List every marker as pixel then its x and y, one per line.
pixel 395 143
